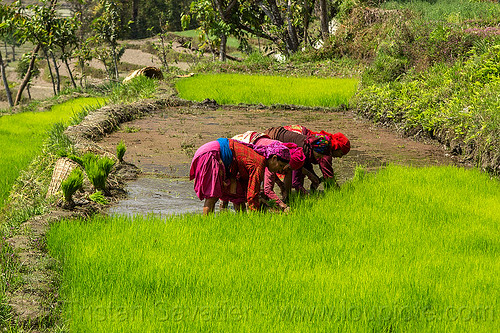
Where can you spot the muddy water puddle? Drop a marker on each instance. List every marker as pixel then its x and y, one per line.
pixel 164 143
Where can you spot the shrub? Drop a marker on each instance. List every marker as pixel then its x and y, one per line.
pixel 72 184
pixel 120 151
pixel 98 169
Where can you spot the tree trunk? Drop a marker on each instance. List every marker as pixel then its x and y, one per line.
pixel 5 82
pixel 50 70
pixel 70 73
pixel 222 47
pixel 306 22
pixel 6 50
pixel 56 69
pixel 287 37
pixel 115 62
pixel 324 19
pixel 292 32
pixel 28 91
pixel 27 77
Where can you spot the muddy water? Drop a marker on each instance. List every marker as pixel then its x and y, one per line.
pixel 162 196
pixel 163 144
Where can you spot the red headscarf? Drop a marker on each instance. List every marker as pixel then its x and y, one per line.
pixel 340 141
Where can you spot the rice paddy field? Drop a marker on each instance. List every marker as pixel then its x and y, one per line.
pixel 404 250
pixel 268 90
pixel 22 136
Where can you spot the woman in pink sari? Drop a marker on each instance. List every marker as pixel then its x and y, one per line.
pixel 233 171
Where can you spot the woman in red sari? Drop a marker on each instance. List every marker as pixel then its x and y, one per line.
pixel 297 159
pixel 340 147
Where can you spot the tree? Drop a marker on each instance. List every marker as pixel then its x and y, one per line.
pixel 106 28
pixel 66 39
pixel 38 29
pixel 83 54
pixel 280 21
pixel 164 45
pixel 22 68
pixel 6 16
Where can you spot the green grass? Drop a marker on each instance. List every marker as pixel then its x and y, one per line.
pixel 268 90
pixel 452 11
pixel 22 136
pixel 405 250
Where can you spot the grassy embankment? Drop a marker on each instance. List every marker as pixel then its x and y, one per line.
pixel 439 74
pixel 268 90
pixel 22 136
pixel 396 251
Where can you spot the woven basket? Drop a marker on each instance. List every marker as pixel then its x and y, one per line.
pixel 62 169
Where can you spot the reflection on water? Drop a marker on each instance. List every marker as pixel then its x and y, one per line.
pixel 161 196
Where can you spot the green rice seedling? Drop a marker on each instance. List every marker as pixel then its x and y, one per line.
pixel 120 150
pixel 72 184
pixel 399 251
pixel 268 90
pixel 98 198
pixel 98 169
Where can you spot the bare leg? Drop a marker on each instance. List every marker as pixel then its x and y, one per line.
pixel 209 205
pixel 240 207
pixel 223 205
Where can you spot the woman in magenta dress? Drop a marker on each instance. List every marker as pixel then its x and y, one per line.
pixel 233 171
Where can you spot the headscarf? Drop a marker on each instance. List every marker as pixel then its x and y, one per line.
pixel 275 148
pixel 321 144
pixel 340 141
pixel 297 157
pixel 225 152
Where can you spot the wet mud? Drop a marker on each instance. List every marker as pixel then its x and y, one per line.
pixel 162 146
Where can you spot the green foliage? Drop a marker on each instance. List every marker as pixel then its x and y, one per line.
pixel 99 198
pixel 22 67
pixel 97 169
pixel 458 102
pixel 120 150
pixel 268 90
pixel 140 87
pixel 485 67
pixel 72 183
pixel 389 254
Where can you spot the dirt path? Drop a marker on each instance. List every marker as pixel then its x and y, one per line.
pixel 164 143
